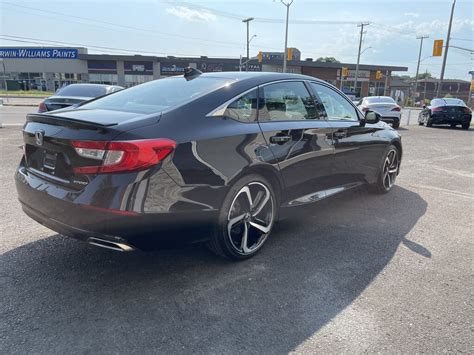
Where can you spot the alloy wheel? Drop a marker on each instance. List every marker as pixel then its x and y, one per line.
pixel 250 218
pixel 390 169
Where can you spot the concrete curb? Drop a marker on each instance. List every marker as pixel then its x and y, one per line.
pixel 6 125
pixel 23 105
pixel 23 97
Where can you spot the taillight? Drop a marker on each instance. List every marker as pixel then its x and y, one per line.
pixel 42 107
pixel 122 156
pixel 364 109
pixel 396 109
pixel 467 110
pixel 437 109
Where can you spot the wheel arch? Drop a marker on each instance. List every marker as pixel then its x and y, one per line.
pixel 398 145
pixel 268 172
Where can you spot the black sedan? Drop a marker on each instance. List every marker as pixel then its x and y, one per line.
pixel 75 94
pixel 446 111
pixel 215 157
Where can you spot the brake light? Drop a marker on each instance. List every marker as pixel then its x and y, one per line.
pixel 42 107
pixel 396 109
pixel 122 156
pixel 467 110
pixel 364 109
pixel 437 109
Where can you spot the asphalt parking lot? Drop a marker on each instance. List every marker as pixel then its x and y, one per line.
pixel 356 273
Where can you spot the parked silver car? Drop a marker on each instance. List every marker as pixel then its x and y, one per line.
pixel 385 106
pixel 75 94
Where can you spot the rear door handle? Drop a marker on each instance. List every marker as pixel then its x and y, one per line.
pixel 340 134
pixel 279 139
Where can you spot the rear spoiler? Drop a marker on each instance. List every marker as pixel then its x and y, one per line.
pixel 64 121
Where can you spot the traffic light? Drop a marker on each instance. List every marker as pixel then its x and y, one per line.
pixel 345 71
pixel 290 54
pixel 260 56
pixel 378 75
pixel 437 48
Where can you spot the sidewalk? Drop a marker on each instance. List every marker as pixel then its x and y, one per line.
pixel 21 101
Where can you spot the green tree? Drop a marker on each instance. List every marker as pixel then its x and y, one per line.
pixel 424 75
pixel 327 60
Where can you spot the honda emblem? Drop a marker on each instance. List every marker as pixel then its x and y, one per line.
pixel 39 135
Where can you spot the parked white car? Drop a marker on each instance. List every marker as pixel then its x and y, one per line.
pixel 385 106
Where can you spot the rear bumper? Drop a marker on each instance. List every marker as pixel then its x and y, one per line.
pixel 62 211
pixel 450 119
pixel 390 119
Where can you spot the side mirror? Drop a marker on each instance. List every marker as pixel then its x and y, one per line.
pixel 372 117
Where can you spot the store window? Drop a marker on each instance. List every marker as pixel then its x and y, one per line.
pixel 110 79
pixel 135 79
pixel 376 88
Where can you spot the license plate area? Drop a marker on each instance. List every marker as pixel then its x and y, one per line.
pixel 49 161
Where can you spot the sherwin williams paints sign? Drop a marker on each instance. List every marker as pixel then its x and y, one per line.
pixel 38 53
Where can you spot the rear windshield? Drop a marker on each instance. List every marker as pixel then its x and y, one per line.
pixel 82 90
pixel 447 101
pixel 159 95
pixel 385 100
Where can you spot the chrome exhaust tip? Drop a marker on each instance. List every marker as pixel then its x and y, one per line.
pixel 108 244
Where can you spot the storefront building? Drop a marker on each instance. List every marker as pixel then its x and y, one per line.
pixel 47 69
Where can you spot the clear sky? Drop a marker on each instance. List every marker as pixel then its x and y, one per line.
pixel 214 28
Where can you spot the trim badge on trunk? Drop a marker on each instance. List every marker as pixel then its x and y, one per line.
pixel 39 135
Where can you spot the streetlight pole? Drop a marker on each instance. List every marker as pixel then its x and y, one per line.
pixel 441 77
pixel 285 54
pixel 247 21
pixel 5 79
pixel 359 53
pixel 421 38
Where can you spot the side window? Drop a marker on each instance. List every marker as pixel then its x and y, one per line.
pixel 287 101
pixel 243 108
pixel 336 106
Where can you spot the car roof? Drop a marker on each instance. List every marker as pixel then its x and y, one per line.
pixel 378 97
pixel 258 76
pixel 91 85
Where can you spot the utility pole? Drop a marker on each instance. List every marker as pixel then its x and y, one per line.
pixel 5 79
pixel 285 54
pixel 421 38
pixel 441 77
pixel 247 21
pixel 358 53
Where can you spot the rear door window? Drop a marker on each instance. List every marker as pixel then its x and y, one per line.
pixel 287 101
pixel 244 108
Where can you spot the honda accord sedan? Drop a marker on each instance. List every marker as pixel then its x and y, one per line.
pixel 214 158
pixel 75 94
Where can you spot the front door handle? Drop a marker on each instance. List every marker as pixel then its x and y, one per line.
pixel 340 134
pixel 279 139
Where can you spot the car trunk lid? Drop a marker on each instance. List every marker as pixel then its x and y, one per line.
pixel 48 142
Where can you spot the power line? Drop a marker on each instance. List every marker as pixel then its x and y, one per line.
pixel 235 16
pixel 62 15
pixel 50 42
pixel 462 39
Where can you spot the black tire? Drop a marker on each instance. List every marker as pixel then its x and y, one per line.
pixel 429 123
pixel 228 239
pixel 466 125
pixel 396 124
pixel 382 186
